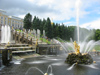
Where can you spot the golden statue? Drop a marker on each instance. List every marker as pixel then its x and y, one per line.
pixel 51 23
pixel 76 47
pixel 12 27
pixel 36 42
pixel 23 30
pixel 27 35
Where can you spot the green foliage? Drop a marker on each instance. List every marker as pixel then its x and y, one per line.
pixel 27 21
pixel 97 47
pixel 45 40
pixel 48 28
pixel 58 30
pixel 36 23
pixel 19 30
pixel 97 34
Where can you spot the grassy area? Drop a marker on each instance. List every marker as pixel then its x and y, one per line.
pixel 60 40
pixel 45 40
pixel 70 48
pixel 97 47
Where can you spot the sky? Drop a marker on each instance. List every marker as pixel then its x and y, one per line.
pixel 59 11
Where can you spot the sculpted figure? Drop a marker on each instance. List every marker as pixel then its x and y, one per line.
pixel 76 47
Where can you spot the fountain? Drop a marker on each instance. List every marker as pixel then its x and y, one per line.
pixel 77 57
pixel 5 34
pixel 34 33
pixel 44 33
pixel 78 54
pixel 38 33
pixel 46 73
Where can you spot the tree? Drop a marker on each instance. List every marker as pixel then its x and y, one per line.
pixel 27 21
pixel 42 25
pixel 36 23
pixel 54 30
pixel 48 28
pixel 97 34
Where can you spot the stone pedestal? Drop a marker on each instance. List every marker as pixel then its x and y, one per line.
pixel 79 58
pixel 6 57
pixel 0 58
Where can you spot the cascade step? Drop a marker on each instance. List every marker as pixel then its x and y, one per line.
pixel 25 51
pixel 20 48
pixel 17 45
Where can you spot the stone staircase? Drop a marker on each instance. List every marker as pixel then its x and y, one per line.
pixel 24 42
pixel 21 48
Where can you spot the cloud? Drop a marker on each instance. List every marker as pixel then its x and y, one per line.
pixel 56 9
pixel 92 25
pixel 20 7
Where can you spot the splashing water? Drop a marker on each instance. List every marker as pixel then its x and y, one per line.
pixel 63 45
pixel 5 34
pixel 71 66
pixel 85 46
pixel 49 67
pixel 92 66
pixel 34 68
pixel 37 62
pixel 77 4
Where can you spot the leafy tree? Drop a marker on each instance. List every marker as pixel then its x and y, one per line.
pixel 97 34
pixel 27 21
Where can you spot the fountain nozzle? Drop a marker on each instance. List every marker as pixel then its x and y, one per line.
pixel 94 61
pixel 76 63
pixel 46 74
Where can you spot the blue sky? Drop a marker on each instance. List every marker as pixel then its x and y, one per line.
pixel 59 11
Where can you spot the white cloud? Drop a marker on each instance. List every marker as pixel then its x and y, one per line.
pixel 69 23
pixel 59 10
pixel 31 1
pixel 63 9
pixel 92 25
pixel 22 16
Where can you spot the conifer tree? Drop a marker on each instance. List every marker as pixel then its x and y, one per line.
pixel 27 21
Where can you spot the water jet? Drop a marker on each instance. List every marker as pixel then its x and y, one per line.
pixel 77 57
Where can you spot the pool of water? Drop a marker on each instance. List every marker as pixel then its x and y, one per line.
pixel 39 65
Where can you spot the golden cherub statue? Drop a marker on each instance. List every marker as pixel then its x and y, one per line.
pixel 36 42
pixel 12 27
pixel 76 47
pixel 27 35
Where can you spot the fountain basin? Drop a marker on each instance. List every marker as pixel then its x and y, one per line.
pixel 79 58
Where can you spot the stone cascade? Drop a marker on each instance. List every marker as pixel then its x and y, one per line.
pixel 21 48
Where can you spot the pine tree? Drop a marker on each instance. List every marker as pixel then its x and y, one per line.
pixel 48 28
pixel 27 21
pixel 34 23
